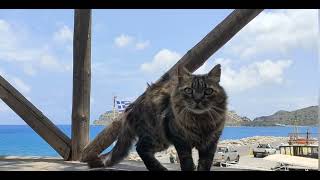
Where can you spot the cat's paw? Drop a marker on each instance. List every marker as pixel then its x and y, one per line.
pixel 201 168
pixel 157 168
pixel 95 163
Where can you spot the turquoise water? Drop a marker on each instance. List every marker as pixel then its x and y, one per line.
pixel 21 140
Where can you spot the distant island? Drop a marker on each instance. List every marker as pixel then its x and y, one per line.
pixel 301 117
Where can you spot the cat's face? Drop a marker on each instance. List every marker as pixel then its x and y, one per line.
pixel 199 93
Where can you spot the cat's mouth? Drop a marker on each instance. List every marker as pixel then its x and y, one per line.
pixel 198 106
pixel 197 109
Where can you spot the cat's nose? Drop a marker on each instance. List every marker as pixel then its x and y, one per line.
pixel 197 101
pixel 197 97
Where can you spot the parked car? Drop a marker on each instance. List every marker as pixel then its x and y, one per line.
pixel 264 150
pixel 225 154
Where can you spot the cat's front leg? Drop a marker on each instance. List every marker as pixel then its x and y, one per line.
pixel 206 155
pixel 185 157
pixel 146 151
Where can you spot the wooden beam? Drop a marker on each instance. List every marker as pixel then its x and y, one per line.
pixel 192 60
pixel 35 119
pixel 81 81
pixel 215 39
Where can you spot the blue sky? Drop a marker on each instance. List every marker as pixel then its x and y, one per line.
pixel 269 65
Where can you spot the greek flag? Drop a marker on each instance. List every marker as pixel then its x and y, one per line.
pixel 122 105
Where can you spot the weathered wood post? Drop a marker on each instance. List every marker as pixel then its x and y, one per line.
pixel 81 81
pixel 192 60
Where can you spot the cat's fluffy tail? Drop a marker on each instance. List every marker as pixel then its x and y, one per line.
pixel 120 150
pixel 102 141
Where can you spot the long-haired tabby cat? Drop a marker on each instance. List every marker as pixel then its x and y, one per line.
pixel 187 111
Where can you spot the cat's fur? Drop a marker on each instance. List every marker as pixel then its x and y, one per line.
pixel 186 111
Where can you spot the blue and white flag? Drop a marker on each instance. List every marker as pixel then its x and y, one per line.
pixel 122 105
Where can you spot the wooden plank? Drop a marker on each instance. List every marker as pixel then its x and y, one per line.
pixel 192 60
pixel 81 81
pixel 35 119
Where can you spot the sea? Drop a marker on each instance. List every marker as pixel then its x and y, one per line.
pixel 21 140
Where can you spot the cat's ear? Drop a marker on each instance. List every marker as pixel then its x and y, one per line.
pixel 184 71
pixel 148 85
pixel 215 73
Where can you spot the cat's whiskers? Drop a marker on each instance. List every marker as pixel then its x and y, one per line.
pixel 210 114
pixel 184 113
pixel 217 108
pixel 218 114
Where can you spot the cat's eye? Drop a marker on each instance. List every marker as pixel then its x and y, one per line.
pixel 188 90
pixel 208 91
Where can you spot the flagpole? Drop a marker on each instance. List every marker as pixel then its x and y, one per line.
pixel 114 106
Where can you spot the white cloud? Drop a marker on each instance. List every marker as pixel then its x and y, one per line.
pixel 272 71
pixel 253 75
pixel 14 48
pixel 68 67
pixel 64 34
pixel 277 31
pixel 287 103
pixel 203 69
pixel 49 61
pixel 142 45
pixel 20 85
pixel 2 73
pixel 3 106
pixel 8 39
pixel 123 40
pixel 236 79
pixel 29 70
pixel 16 82
pixel 161 62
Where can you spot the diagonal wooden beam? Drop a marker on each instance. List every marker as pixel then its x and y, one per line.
pixel 192 60
pixel 216 39
pixel 35 119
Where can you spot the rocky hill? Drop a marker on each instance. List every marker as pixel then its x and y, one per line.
pixel 106 118
pixel 301 117
pixel 235 120
pixel 232 119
